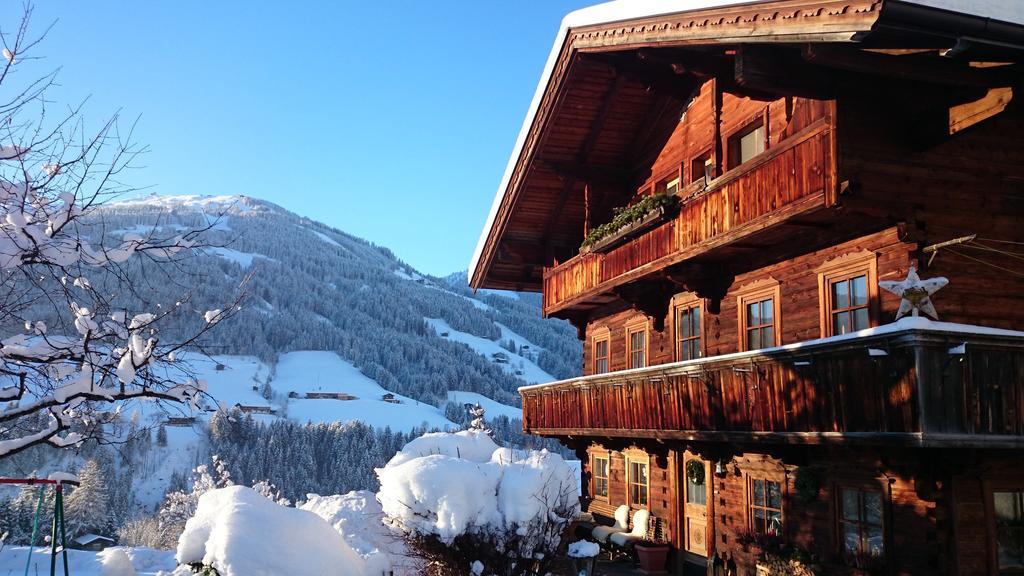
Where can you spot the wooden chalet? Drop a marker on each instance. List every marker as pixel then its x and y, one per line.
pixel 712 194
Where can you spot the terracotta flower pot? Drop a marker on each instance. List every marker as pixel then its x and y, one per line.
pixel 652 558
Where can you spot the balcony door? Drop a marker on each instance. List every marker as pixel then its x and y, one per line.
pixel 695 507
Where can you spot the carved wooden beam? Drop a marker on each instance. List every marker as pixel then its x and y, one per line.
pixel 925 68
pixel 708 281
pixel 652 298
pixel 777 70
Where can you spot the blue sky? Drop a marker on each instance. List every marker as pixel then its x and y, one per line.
pixel 389 120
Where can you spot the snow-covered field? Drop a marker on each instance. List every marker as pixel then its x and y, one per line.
pixel 144 561
pixel 241 378
pixel 491 407
pixel 531 373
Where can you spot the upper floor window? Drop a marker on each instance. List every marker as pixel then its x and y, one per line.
pixel 636 345
pixel 1008 513
pixel 758 307
pixel 701 168
pixel 861 525
pixel 669 186
pixel 601 347
pixel 746 143
pixel 688 331
pixel 637 479
pixel 847 289
pixel 600 475
pixel 765 500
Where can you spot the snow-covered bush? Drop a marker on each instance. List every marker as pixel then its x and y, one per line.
pixel 238 532
pixel 461 499
pixel 358 517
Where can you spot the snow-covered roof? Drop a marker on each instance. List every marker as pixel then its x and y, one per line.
pixel 907 323
pixel 90 538
pixel 617 10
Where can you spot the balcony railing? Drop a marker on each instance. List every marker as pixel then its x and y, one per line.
pixel 785 181
pixel 913 383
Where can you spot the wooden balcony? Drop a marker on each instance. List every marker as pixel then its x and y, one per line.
pixel 743 206
pixel 909 383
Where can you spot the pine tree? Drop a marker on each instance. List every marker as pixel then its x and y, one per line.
pixel 478 424
pixel 88 506
pixel 161 436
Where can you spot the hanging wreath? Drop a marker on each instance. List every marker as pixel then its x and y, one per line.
pixel 695 472
pixel 807 483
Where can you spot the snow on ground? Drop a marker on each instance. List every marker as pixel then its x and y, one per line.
pixel 407 276
pixel 491 408
pixel 243 259
pixel 240 533
pixel 487 348
pixel 205 203
pixel 476 303
pixel 144 561
pixel 326 238
pixel 312 371
pixel 180 455
pixel 234 383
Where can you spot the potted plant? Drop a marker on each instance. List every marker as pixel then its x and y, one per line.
pixel 652 555
pixel 628 221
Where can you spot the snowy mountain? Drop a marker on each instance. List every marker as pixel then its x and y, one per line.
pixel 316 288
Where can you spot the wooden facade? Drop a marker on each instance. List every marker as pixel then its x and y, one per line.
pixel 802 153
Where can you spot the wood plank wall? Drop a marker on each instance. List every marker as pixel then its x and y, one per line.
pixel 798 282
pixel 937 506
pixel 970 183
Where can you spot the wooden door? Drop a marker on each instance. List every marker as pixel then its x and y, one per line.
pixel 695 509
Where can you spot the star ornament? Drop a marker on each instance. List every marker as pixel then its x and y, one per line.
pixel 916 293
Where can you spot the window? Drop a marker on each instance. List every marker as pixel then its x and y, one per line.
pixel 636 344
pixel 701 168
pixel 669 185
pixel 688 332
pixel 746 143
pixel 758 308
pixel 765 499
pixel 696 493
pixel 760 326
pixel 847 288
pixel 637 480
pixel 601 354
pixel 1008 509
pixel 860 525
pixel 849 304
pixel 672 186
pixel 601 477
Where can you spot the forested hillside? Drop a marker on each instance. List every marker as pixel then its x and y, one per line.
pixel 311 287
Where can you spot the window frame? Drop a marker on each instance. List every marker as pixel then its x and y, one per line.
pixel 751 505
pixel 688 301
pixel 861 487
pixel 607 457
pixel 673 178
pixel 698 168
pixel 990 488
pixel 847 267
pixel 602 334
pixel 758 292
pixel 637 325
pixel 639 457
pixel 753 123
